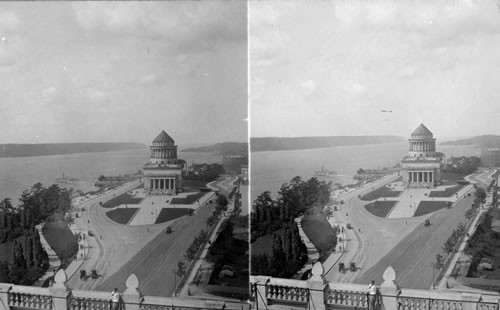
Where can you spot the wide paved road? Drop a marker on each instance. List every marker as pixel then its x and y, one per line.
pixel 156 259
pixel 118 244
pixel 372 237
pixel 412 257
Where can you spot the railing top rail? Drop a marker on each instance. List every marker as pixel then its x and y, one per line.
pixel 33 290
pixel 194 303
pixel 361 288
pixel 91 294
pixel 288 282
pixel 446 295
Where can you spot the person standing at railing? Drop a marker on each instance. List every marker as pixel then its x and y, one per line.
pixel 115 299
pixel 372 295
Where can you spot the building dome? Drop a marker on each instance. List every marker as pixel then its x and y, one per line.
pixel 163 139
pixel 421 132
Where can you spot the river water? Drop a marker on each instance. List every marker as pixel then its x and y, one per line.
pixel 20 173
pixel 269 170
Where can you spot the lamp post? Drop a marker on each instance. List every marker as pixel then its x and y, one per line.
pixel 433 284
pixel 175 281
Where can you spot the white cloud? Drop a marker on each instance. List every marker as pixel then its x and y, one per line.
pixel 8 21
pixel 181 24
pixel 49 92
pixel 309 87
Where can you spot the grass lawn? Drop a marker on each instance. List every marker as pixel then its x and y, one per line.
pixel 380 208
pixel 452 177
pixel 123 199
pixel 383 191
pixel 264 244
pixel 446 193
pixel 61 240
pixel 317 229
pixel 122 215
pixel 168 214
pixel 188 200
pixel 193 183
pixel 426 207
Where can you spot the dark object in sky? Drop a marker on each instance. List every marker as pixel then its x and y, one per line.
pixel 387 111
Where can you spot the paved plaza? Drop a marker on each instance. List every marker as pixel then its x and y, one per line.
pixel 151 205
pixel 408 201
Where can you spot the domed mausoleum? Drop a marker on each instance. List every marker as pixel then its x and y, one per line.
pixel 422 166
pixel 163 172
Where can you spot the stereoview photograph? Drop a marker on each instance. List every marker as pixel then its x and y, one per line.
pixel 124 155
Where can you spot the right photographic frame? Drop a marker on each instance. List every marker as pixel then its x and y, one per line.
pixel 374 154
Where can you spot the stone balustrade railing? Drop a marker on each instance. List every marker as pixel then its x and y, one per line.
pixel 318 294
pixel 61 297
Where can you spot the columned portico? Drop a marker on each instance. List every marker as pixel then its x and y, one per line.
pixel 163 173
pixel 162 183
pixel 422 164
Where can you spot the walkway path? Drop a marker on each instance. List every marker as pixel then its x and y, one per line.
pixel 54 262
pixel 408 202
pixel 312 252
pixel 345 248
pixel 83 249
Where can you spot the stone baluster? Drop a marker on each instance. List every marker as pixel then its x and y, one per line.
pixel 132 296
pixel 389 290
pixel 316 285
pixel 60 291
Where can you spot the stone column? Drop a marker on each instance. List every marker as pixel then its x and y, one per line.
pixel 316 285
pixel 389 290
pixel 60 291
pixel 431 176
pixel 409 177
pixel 132 297
pixel 470 300
pixel 260 299
pixel 4 292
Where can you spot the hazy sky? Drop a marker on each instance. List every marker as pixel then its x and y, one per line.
pixel 123 71
pixel 330 67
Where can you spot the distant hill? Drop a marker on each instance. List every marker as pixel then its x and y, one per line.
pixel 26 150
pixel 224 148
pixel 486 141
pixel 279 143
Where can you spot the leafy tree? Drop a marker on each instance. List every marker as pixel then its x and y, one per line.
pixel 469 214
pixel 439 261
pixel 480 194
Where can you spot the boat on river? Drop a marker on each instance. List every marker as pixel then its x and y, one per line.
pixel 65 179
pixel 325 172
